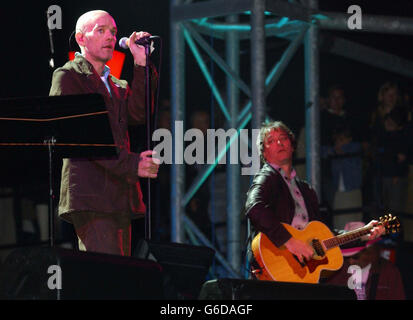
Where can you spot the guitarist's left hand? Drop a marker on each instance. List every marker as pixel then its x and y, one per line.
pixel 376 231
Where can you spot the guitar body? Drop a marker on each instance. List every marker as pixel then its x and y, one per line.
pixel 279 264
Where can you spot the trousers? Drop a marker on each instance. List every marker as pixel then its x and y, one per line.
pixel 103 232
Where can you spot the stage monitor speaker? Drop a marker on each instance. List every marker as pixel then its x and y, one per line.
pixel 238 289
pixel 185 266
pixel 42 273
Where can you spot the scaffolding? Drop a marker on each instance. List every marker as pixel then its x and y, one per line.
pixel 301 23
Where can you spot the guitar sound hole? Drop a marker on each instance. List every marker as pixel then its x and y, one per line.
pixel 302 264
pixel 318 248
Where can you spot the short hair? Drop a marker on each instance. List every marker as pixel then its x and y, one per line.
pixel 85 18
pixel 268 127
pixel 335 87
pixel 386 87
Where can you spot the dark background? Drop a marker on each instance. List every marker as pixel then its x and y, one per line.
pixel 26 52
pixel 26 73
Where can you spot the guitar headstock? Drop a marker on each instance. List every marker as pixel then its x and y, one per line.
pixel 390 223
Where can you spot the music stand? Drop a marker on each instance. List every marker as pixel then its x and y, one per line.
pixel 73 126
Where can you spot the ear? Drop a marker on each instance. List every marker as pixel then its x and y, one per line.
pixel 80 39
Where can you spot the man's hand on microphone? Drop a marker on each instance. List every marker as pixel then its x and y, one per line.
pixel 138 51
pixel 148 166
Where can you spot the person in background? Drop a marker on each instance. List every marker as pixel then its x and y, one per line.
pixel 198 206
pixel 345 159
pixel 332 117
pixel 394 166
pixel 380 279
pixel 388 98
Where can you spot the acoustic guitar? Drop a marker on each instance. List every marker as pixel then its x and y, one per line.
pixel 279 264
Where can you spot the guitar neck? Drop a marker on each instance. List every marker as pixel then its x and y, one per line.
pixel 346 237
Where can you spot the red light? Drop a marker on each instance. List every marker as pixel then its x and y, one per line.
pixel 71 55
pixel 115 64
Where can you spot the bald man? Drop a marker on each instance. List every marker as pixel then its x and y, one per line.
pixel 100 196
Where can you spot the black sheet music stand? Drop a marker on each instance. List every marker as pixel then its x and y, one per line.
pixel 74 126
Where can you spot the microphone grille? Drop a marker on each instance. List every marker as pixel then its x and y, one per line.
pixel 122 43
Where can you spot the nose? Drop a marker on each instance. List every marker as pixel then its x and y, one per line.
pixel 110 35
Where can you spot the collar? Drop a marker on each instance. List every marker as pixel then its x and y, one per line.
pixel 341 114
pixel 106 72
pixel 282 172
pixel 87 68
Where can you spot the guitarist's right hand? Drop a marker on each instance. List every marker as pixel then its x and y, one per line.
pixel 300 249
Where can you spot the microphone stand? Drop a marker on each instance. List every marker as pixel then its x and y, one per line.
pixel 50 143
pixel 148 104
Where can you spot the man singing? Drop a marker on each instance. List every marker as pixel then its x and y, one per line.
pixel 100 196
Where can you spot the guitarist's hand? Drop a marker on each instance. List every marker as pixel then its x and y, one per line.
pixel 376 231
pixel 300 249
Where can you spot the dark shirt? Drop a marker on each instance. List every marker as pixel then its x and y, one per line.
pixel 394 143
pixel 329 123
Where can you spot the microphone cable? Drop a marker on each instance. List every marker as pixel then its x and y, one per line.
pixel 70 40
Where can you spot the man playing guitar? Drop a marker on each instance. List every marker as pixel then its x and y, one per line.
pixel 277 196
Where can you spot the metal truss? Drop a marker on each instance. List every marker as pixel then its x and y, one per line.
pixel 300 24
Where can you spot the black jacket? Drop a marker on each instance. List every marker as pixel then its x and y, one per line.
pixel 269 203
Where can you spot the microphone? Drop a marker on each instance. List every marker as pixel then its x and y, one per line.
pixel 124 42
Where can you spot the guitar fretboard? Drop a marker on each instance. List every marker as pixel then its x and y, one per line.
pixel 346 237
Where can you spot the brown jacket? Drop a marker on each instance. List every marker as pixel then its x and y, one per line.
pixel 103 185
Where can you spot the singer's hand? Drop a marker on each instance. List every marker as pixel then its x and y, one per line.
pixel 138 51
pixel 148 166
